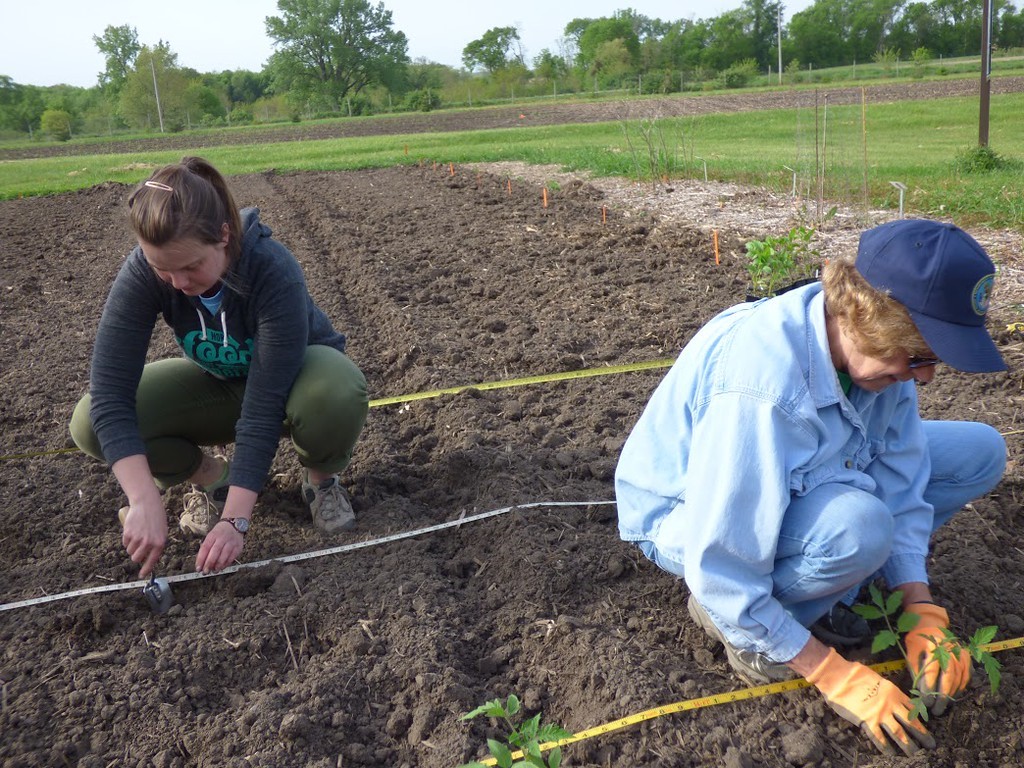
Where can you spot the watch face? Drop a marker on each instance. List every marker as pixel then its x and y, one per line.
pixel 240 524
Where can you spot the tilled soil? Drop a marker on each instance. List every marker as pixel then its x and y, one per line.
pixel 368 657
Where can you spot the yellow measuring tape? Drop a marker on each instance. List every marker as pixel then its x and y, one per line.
pixel 504 384
pixel 883 668
pixel 541 379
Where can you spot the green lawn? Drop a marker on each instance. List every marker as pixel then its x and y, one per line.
pixel 849 152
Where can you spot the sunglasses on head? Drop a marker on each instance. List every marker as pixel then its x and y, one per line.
pixel 921 362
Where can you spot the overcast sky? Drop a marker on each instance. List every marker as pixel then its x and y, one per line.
pixel 46 42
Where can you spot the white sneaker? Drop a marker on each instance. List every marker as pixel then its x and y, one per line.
pixel 328 504
pixel 202 510
pixel 204 505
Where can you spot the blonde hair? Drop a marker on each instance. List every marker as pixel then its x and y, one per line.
pixel 879 325
pixel 186 200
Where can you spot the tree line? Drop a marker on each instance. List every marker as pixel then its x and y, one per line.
pixel 336 57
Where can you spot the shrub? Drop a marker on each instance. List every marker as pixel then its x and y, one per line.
pixel 739 74
pixel 423 100
pixel 56 123
pixel 240 116
pixel 980 160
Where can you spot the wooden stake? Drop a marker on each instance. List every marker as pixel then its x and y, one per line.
pixel 451 169
pixel 545 197
pixel 714 237
pixel 509 186
pixel 604 214
pixel 291 652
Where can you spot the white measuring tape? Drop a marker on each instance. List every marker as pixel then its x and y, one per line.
pixel 298 557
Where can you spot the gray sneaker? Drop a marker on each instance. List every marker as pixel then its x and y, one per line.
pixel 328 504
pixel 202 509
pixel 754 668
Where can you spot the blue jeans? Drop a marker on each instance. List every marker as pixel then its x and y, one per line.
pixel 834 539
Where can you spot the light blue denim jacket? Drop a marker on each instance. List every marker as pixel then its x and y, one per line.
pixel 751 414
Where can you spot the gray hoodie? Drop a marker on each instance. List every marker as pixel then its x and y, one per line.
pixel 266 320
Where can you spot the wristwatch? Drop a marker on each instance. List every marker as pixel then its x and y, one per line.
pixel 240 524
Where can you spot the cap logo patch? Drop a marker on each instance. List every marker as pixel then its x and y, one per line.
pixel 981 294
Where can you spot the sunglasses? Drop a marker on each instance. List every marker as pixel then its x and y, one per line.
pixel 922 362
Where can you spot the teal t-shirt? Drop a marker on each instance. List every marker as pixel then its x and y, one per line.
pixel 845 381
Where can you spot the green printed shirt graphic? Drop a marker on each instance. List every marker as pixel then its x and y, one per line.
pixel 209 352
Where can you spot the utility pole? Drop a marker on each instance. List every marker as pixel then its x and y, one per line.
pixel 778 27
pixel 986 72
pixel 156 92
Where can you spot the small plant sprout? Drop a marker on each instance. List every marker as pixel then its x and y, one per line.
pixel 775 261
pixel 525 739
pixel 888 608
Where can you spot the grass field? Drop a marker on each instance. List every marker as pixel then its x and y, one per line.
pixel 849 153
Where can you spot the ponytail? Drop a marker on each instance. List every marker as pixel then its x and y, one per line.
pixel 186 200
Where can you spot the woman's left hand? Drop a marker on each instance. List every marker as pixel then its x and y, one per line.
pixel 221 547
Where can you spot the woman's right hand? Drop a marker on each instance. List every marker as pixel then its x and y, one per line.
pixel 145 523
pixel 145 533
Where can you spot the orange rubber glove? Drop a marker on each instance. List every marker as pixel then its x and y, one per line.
pixel 865 698
pixel 937 686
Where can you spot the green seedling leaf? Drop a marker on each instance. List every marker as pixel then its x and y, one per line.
pixel 868 612
pixel 530 727
pixel 918 711
pixel 906 622
pixel 992 667
pixel 984 635
pixel 551 732
pixel 501 753
pixel 884 639
pixel 941 654
pixel 491 708
pixel 512 705
pixel 876 596
pixel 532 749
pixel 893 603
pixel 524 738
pixel 555 758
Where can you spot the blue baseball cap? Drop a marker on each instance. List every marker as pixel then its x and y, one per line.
pixel 944 278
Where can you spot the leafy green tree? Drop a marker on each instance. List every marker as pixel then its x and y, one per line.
pixel 550 66
pixel 604 30
pixel 730 41
pixel 246 87
pixel 574 30
pixel 819 33
pixel 56 123
pixel 762 28
pixel 138 100
pixel 611 62
pixel 119 46
pixel 1009 29
pixel 497 49
pixel 917 27
pixel 21 106
pixel 329 49
pixel 959 26
pixel 202 104
pixel 646 27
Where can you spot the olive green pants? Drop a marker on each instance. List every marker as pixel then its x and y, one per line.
pixel 180 407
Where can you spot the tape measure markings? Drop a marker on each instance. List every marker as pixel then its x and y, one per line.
pixel 183 577
pixel 487 385
pixel 582 373
pixel 729 697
